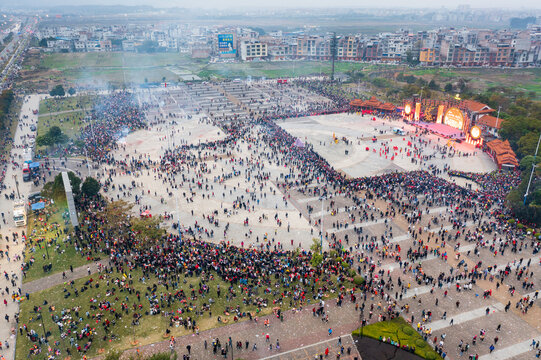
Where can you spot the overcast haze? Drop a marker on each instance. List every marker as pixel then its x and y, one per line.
pixel 224 4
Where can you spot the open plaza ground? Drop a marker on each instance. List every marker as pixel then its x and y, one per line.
pixel 223 161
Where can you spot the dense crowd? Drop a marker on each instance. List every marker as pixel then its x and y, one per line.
pixel 274 277
pixel 114 115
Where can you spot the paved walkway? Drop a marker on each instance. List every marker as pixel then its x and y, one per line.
pixel 510 351
pixel 47 282
pixel 301 336
pixel 62 112
pixel 11 265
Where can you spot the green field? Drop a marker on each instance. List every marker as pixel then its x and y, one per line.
pixel 129 68
pixel 527 80
pixel 277 69
pixel 67 113
pixel 121 333
pixel 65 104
pixel 124 69
pixel 49 232
pixel 400 331
pixel 117 68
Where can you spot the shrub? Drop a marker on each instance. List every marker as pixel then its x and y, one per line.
pixel 407 330
pixel 352 272
pixel 358 280
pixel 520 226
pixel 420 343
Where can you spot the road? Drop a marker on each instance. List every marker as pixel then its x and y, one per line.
pixel 9 263
pixel 16 50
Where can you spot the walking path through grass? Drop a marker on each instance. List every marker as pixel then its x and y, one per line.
pixel 47 282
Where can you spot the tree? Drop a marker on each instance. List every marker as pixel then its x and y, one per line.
pixel 148 231
pixel 411 58
pixel 527 144
pixel 58 90
pixel 44 140
pixel 56 188
pixel 526 164
pixel 56 135
pixel 43 42
pixel 317 257
pixel 75 182
pixel 448 87
pixel 71 91
pixel 90 187
pixel 462 85
pixel 433 85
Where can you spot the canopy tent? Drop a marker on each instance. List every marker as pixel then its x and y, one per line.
pixel 38 206
pixel 146 214
pixel 298 143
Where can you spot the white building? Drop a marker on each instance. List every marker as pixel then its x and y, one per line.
pixel 252 49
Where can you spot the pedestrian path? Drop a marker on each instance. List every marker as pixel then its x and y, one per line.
pixel 353 226
pixel 431 211
pixel 400 238
pixel 314 198
pixel 465 316
pixel 417 291
pixel 325 212
pixel 450 227
pixel 312 350
pixel 511 351
pixel 57 278
pixel 535 260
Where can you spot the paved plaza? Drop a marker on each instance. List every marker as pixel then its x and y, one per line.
pixel 247 194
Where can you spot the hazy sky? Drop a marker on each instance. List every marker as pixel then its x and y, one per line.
pixel 224 4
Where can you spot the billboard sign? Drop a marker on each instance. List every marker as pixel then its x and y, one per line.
pixel 454 118
pixel 225 44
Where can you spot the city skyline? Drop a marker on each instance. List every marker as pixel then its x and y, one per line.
pixel 236 4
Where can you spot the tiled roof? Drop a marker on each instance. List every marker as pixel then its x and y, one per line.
pixel 490 121
pixel 476 106
pixel 503 152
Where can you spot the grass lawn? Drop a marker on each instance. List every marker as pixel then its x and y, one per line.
pixel 70 124
pixel 66 61
pixel 65 104
pixel 151 327
pixel 117 67
pixel 275 69
pixel 400 331
pixel 49 231
pixel 128 68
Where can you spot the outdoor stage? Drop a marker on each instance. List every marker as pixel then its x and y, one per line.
pixel 441 129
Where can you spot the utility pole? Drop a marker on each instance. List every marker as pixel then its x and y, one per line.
pixel 333 53
pixel 498 117
pixel 178 220
pixel 533 169
pixel 322 198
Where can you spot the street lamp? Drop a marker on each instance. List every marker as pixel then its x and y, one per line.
pixel 533 169
pixel 498 117
pixel 362 320
pixel 43 324
pixel 322 198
